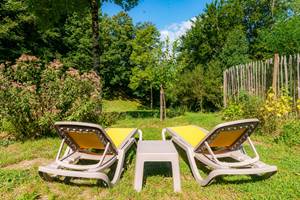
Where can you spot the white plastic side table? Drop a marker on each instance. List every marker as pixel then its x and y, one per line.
pixel 156 151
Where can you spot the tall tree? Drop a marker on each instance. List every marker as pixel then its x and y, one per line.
pixel 145 55
pixel 53 11
pixel 116 36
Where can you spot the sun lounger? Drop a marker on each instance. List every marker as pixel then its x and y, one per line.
pixel 89 142
pixel 215 147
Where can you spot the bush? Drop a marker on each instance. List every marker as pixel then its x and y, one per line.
pixel 233 111
pixel 248 106
pixel 273 113
pixel 290 133
pixel 33 96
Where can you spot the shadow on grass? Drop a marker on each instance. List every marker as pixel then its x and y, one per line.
pixel 79 182
pixel 225 179
pixel 242 179
pixel 156 169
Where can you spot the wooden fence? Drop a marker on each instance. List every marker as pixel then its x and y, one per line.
pixel 256 78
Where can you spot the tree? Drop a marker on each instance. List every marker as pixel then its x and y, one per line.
pixel 117 34
pixel 228 33
pixel 235 49
pixel 283 38
pixel 155 65
pixel 146 51
pixel 19 33
pixel 77 39
pixel 203 47
pixel 52 12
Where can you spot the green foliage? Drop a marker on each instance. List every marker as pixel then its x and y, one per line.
pixel 50 13
pixel 78 42
pixel 31 103
pixel 247 106
pixel 188 90
pixel 205 46
pixel 273 113
pixel 155 63
pixel 116 39
pixel 289 133
pixel 283 38
pixel 17 29
pixel 235 50
pixel 116 35
pixel 134 62
pixel 145 56
pixel 227 33
pixel 233 112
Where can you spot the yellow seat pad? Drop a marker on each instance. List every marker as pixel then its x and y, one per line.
pixel 86 140
pixel 118 135
pixel 191 134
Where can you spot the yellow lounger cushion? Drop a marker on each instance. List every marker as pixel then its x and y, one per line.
pixel 191 134
pixel 86 140
pixel 118 135
pixel 227 138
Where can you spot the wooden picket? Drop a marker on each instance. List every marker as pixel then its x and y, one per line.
pixel 257 77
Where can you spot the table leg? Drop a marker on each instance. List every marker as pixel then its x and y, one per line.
pixel 139 173
pixel 176 175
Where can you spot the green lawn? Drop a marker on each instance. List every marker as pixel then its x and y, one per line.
pixel 121 105
pixel 19 178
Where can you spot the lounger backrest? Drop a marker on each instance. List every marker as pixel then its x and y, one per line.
pixel 82 136
pixel 229 135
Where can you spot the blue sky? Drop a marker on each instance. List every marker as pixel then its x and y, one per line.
pixel 171 17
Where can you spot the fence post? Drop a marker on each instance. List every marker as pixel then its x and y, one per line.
pixel 298 79
pixel 225 88
pixel 275 73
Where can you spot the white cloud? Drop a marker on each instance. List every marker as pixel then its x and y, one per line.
pixel 175 30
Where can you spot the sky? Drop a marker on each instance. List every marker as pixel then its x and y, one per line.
pixel 171 17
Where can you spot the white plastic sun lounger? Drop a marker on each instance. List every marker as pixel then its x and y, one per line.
pixel 86 141
pixel 223 142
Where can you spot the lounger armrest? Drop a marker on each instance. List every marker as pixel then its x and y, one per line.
pixel 163 134
pixel 237 164
pixel 140 134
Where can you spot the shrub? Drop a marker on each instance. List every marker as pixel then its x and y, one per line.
pixel 248 106
pixel 273 112
pixel 290 133
pixel 233 111
pixel 32 101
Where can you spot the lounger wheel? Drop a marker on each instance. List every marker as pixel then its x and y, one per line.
pixel 46 176
pixel 67 179
pixel 103 183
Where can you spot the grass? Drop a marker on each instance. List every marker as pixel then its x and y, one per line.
pixel 120 105
pixel 19 180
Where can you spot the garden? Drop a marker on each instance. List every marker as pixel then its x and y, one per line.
pixel 75 61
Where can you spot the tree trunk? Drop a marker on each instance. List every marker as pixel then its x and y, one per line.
pixel 165 107
pixel 95 5
pixel 275 74
pixel 151 97
pixel 162 104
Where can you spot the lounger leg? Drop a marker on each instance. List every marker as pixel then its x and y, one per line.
pixel 139 173
pixel 176 175
pixel 119 168
pixel 193 166
pixel 121 158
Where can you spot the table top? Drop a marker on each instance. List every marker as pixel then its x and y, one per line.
pixel 156 147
